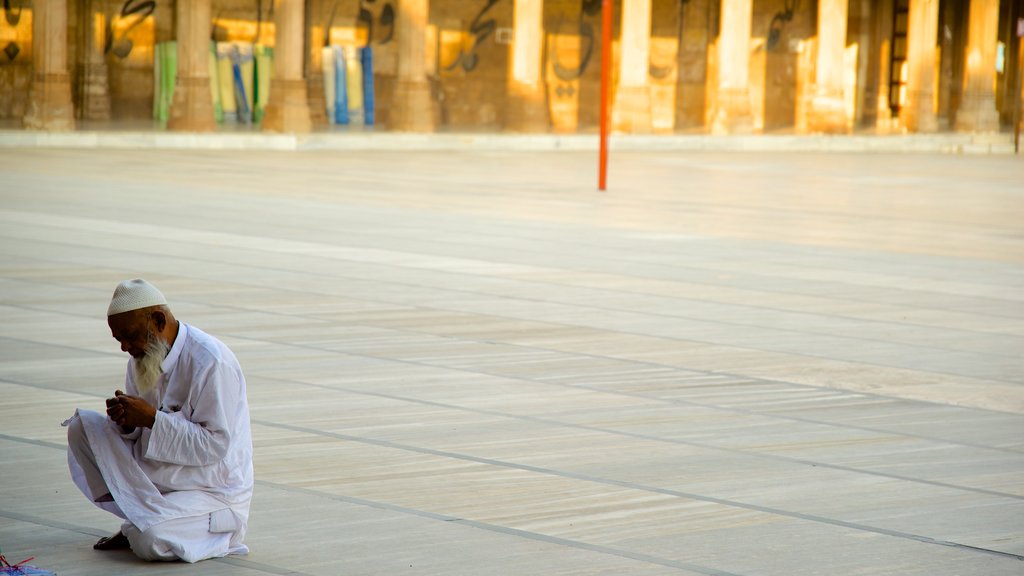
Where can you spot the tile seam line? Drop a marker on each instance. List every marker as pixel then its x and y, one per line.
pixel 669 338
pixel 483 152
pixel 656 439
pixel 670 401
pixel 605 481
pixel 86 352
pixel 528 226
pixel 628 361
pixel 522 226
pixel 859 339
pixel 704 372
pixel 667 253
pixel 754 379
pixel 233 560
pixel 634 486
pixel 676 401
pixel 48 444
pixel 660 440
pixel 395 508
pixel 630 276
pixel 536 191
pixel 256 251
pixel 627 311
pixel 526 534
pixel 681 300
pixel 638 277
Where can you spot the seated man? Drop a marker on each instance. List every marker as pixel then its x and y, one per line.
pixel 172 456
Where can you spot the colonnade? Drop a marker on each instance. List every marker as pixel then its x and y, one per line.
pixel 411 106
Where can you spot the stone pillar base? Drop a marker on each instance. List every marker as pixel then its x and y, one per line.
pixel 977 113
pixel 50 107
pixel 918 115
pixel 288 107
pixel 412 107
pixel 317 102
pixel 826 113
pixel 192 106
pixel 527 112
pixel 631 113
pixel 732 114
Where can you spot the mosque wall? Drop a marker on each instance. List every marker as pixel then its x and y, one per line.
pixel 15 59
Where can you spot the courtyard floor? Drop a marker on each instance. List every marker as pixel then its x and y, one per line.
pixel 472 362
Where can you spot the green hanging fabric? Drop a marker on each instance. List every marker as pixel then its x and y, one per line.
pixel 165 68
pixel 157 96
pixel 218 109
pixel 264 56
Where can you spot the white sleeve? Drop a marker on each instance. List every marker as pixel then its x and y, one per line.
pixel 205 438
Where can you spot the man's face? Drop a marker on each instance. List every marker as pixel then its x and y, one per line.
pixel 132 331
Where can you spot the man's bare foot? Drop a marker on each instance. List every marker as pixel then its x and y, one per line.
pixel 116 542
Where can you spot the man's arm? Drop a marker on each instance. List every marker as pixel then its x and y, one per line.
pixel 204 436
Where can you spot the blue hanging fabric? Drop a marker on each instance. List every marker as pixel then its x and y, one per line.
pixel 340 87
pixel 241 98
pixel 366 57
pixel 328 70
pixel 226 81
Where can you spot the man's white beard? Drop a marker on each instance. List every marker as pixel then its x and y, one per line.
pixel 148 368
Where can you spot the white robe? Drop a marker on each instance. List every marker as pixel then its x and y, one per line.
pixel 184 486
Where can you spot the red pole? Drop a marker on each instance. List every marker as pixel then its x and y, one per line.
pixel 606 88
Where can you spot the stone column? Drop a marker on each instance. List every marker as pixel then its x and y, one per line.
pixel 826 111
pixel 883 23
pixel 93 79
pixel 691 94
pixel 732 112
pixel 412 107
pixel 631 112
pixel 918 112
pixel 192 106
pixel 977 112
pixel 527 110
pixel 50 107
pixel 315 35
pixel 288 107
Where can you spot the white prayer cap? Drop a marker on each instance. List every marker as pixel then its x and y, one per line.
pixel 134 294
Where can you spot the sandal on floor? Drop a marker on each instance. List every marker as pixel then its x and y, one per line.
pixel 116 542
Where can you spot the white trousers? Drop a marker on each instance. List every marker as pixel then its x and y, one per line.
pixel 104 469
